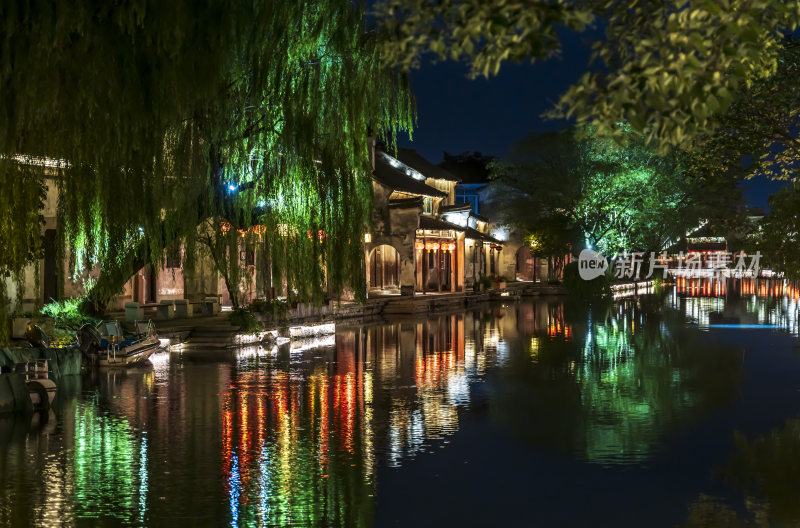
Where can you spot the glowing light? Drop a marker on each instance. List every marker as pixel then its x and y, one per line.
pixel 52 163
pixel 744 326
pixel 367 238
pixel 312 331
pixel 420 245
pixel 500 233
pixel 231 187
pixel 320 235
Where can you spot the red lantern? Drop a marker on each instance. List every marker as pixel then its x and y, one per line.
pixel 259 229
pixel 419 245
pixel 320 235
pixel 225 227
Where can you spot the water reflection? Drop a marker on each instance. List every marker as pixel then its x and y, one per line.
pixel 709 301
pixel 765 470
pixel 612 394
pixel 296 436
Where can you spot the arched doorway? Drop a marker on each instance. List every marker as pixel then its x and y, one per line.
pixel 383 269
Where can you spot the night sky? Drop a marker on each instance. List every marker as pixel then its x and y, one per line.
pixel 456 114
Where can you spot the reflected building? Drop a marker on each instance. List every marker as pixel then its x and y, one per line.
pixel 731 301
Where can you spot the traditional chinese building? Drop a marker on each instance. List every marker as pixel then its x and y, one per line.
pixel 422 242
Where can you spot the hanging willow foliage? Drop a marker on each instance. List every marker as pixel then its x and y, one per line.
pixel 169 114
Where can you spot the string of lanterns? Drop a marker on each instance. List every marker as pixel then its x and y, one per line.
pixel 259 230
pixel 435 246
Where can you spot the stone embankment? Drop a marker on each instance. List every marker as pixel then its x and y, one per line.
pixel 14 391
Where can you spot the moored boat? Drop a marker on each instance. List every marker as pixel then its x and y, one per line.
pixel 106 345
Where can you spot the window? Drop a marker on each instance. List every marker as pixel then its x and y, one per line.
pixel 462 196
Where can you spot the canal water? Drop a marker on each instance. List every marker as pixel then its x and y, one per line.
pixel 681 409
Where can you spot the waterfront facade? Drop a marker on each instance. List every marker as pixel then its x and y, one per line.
pixel 422 241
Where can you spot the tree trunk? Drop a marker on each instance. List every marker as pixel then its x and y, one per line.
pixel 113 277
pixel 233 289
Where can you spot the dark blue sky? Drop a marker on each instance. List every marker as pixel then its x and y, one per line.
pixel 456 114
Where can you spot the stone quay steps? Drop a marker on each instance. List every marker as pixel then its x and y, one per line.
pixel 212 336
pixel 410 306
pixel 421 304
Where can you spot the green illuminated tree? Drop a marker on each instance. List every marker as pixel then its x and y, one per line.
pixel 574 188
pixel 777 236
pixel 167 114
pixel 668 68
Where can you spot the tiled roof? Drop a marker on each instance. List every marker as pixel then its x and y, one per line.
pixel 457 207
pixel 433 222
pixel 400 181
pixel 474 234
pixel 411 158
pixel 406 202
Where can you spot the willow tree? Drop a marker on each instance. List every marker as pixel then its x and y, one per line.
pixel 163 115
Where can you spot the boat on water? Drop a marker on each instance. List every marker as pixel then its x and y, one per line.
pixel 106 345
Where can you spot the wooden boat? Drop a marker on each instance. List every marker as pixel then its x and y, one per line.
pixel 107 346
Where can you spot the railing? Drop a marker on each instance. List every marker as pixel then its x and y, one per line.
pixel 36 369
